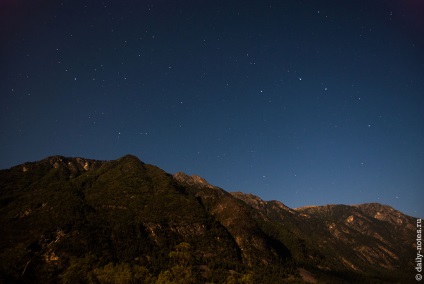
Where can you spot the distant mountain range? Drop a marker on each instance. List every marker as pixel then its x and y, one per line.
pixel 76 220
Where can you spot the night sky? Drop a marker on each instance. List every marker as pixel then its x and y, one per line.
pixel 305 102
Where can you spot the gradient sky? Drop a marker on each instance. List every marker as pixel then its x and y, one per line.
pixel 305 102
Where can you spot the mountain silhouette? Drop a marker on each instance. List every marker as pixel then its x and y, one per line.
pixel 77 220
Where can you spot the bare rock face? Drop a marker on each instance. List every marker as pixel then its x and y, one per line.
pixel 250 199
pixel 71 165
pixel 193 180
pixel 372 233
pixel 388 214
pixel 262 205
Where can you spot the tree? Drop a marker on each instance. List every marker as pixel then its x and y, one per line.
pixel 123 273
pixel 181 272
pixel 181 254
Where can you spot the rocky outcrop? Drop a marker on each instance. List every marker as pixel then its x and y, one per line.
pixel 193 180
pixel 72 165
pixel 371 234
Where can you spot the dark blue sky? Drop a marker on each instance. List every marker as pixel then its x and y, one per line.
pixel 306 102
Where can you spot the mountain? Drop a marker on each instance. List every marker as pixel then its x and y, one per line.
pixel 76 220
pixel 352 241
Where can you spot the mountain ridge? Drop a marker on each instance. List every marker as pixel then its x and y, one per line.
pixel 88 218
pixel 85 162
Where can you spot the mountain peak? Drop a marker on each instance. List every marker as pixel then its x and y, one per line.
pixel 192 180
pixel 129 157
pixel 250 199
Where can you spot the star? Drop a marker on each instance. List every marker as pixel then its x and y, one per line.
pixel 137 75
